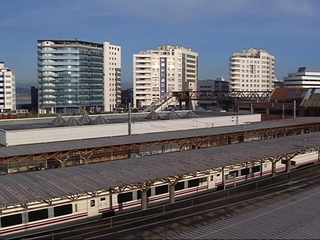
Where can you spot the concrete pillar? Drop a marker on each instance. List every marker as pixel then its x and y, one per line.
pixel 63 163
pixel 85 159
pixel 273 171
pixel 267 111
pixel 144 202
pixel 110 200
pixel 163 148
pixel 288 166
pixel 171 193
pixel 223 178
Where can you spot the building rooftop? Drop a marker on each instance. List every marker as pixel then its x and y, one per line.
pixel 27 149
pixel 304 69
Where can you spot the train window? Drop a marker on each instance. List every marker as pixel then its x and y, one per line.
pixel 234 173
pixel 92 203
pixel 203 180
pixel 11 220
pixel 179 186
pixel 256 169
pixel 38 215
pixel 125 197
pixel 102 199
pixel 62 210
pixel 245 171
pixel 76 207
pixel 139 193
pixel 211 178
pixel 218 175
pixel 161 189
pixel 193 183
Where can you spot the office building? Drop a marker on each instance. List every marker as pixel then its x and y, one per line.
pixel 252 70
pixel 75 75
pixel 218 85
pixel 305 77
pixel 126 97
pixel 156 73
pixel 7 89
pixel 34 99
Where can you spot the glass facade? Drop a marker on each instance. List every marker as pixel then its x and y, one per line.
pixel 70 76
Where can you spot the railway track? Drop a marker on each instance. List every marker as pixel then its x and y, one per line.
pixel 159 226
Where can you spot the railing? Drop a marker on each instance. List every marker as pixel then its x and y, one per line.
pixel 223 95
pixel 157 104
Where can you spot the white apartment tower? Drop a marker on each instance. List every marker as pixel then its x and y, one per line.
pixel 159 72
pixel 252 70
pixel 112 76
pixel 7 89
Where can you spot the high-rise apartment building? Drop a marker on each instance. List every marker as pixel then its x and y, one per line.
pixel 112 76
pixel 252 70
pixel 159 72
pixel 7 89
pixel 305 77
pixel 75 75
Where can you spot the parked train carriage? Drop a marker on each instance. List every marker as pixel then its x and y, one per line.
pixel 14 220
pixel 43 215
pixel 160 193
pixel 305 159
pixel 40 218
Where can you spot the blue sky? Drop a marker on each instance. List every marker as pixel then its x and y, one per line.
pixel 288 29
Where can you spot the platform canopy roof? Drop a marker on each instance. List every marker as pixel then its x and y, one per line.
pixel 39 148
pixel 49 184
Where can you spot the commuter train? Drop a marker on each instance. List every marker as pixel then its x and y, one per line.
pixel 18 219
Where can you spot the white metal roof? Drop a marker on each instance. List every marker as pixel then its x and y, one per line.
pixel 28 149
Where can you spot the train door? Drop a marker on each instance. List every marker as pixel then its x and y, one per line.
pixel 93 209
pixel 103 203
pixel 211 182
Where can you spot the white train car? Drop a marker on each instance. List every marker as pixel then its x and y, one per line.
pixel 38 215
